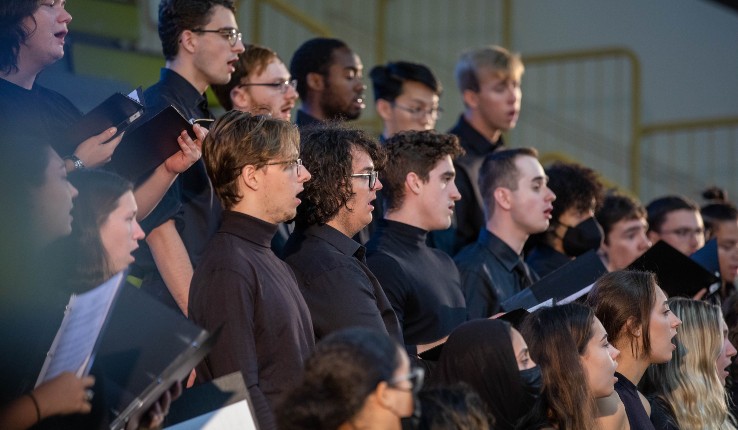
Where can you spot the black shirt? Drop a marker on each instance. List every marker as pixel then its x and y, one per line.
pixel 338 287
pixel 38 113
pixel 191 201
pixel 304 119
pixel 662 417
pixel 422 283
pixel 637 416
pixel 489 275
pixel 241 285
pixel 543 259
pixel 469 211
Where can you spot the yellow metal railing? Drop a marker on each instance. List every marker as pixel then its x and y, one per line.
pixel 289 11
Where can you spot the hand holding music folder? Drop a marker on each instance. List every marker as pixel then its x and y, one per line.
pixel 141 348
pixel 118 111
pixel 150 142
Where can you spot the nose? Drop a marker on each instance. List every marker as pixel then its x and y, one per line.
pixel 378 185
pixel 677 322
pixel 455 194
pixel 551 196
pixel 65 16
pixel 73 191
pixel 644 243
pixel 360 87
pixel 238 47
pixel 291 93
pixel 138 233
pixel 304 174
pixel 730 350
pixel 615 353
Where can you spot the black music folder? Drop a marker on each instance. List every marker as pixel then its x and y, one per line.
pixel 150 142
pixel 118 110
pixel 139 350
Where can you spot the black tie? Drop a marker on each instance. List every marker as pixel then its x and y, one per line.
pixel 524 279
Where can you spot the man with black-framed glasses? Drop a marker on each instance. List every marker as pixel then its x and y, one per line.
pixel 201 42
pixel 240 285
pixel 330 266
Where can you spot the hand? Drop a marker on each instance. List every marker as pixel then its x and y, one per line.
pixel 154 417
pixel 95 152
pixel 190 151
pixel 700 294
pixel 63 395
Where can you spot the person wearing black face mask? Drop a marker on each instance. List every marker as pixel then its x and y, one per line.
pixel 492 357
pixel 573 229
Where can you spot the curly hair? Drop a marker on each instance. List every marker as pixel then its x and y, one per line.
pixel 327 153
pixel 387 80
pixel 414 151
pixel 343 371
pixel 558 338
pixel 13 33
pixel 689 384
pixel 620 295
pixel 313 56
pixel 176 16
pixel 238 139
pixel 251 62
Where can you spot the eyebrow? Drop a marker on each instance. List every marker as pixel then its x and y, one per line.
pixel 523 352
pixel 449 173
pixel 604 337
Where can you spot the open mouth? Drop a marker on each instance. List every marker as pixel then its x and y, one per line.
pixel 61 35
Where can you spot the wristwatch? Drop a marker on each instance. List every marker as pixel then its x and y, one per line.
pixel 78 164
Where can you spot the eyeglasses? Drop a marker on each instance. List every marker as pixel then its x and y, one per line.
pixel 232 34
pixel 372 176
pixel 685 232
pixel 415 377
pixel 281 86
pixel 419 112
pixel 290 163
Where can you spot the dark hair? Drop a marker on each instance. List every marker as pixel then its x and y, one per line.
pixel 413 151
pixel 618 207
pixel 344 369
pixel 86 264
pixel 480 353
pixel 557 338
pixel 238 139
pixel 387 79
pixel 326 153
pixel 176 16
pixel 659 208
pixel 499 170
pixel 620 295
pixel 252 61
pixel 313 56
pixel 715 194
pixel 575 186
pixel 13 33
pixel 716 213
pixel 455 407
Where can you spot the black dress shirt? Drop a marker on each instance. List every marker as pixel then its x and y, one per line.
pixel 191 201
pixel 490 273
pixel 543 259
pixel 469 211
pixel 241 285
pixel 422 283
pixel 338 287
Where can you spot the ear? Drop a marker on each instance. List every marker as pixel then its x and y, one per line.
pixel 503 198
pixel 633 328
pixel 471 98
pixel 240 98
pixel 250 177
pixel 384 395
pixel 315 81
pixel 413 183
pixel 188 41
pixel 384 109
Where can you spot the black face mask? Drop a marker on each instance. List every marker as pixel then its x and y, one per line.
pixel 581 238
pixel 532 381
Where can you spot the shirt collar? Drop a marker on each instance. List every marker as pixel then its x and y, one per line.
pixel 249 228
pixel 340 241
pixel 184 89
pixel 474 140
pixel 499 249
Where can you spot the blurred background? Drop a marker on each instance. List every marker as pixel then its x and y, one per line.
pixel 644 91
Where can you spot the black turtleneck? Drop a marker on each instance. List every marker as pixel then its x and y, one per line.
pixel 421 282
pixel 267 334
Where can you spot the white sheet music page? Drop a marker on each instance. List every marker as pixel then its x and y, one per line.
pixel 83 320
